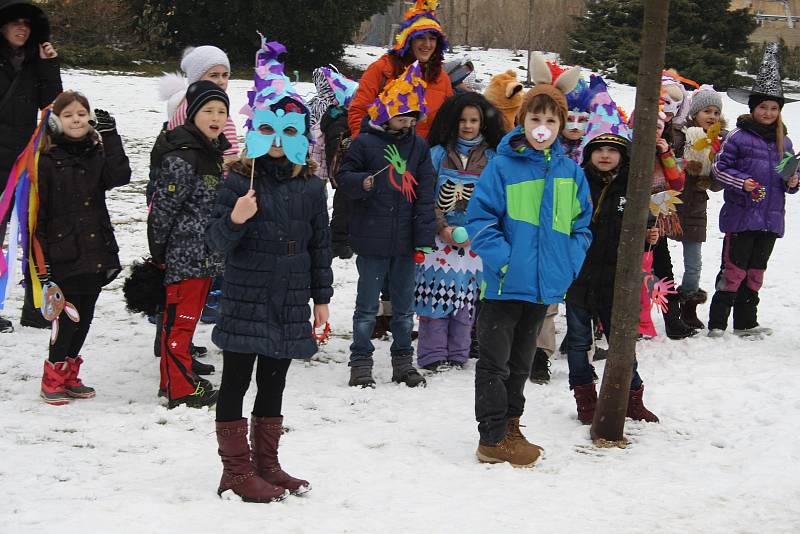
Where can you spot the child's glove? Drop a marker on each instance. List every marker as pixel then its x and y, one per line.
pixel 104 122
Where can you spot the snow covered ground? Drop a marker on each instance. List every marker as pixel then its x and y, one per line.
pixel 723 459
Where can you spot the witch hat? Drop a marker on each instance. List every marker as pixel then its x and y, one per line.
pixel 768 81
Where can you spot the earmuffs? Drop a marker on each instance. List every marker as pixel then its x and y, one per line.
pixel 56 128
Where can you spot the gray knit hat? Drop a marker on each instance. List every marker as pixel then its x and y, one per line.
pixel 198 61
pixel 702 98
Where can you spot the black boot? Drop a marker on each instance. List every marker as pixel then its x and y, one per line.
pixel 5 326
pixel 198 351
pixel 673 324
pixel 540 370
pixel 361 376
pixel 689 303
pixel 30 315
pixel 200 368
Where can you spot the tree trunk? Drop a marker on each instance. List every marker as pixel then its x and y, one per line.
pixel 612 402
pixel 530 40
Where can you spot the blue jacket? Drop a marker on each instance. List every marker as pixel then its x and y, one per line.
pixel 528 220
pixel 384 223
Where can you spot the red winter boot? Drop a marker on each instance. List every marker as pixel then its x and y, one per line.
pixel 636 409
pixel 73 385
pixel 238 472
pixel 586 400
pixel 265 433
pixel 53 383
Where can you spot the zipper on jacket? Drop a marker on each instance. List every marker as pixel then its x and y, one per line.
pixel 547 157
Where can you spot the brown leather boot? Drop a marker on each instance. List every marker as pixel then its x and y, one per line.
pixel 238 472
pixel 517 452
pixel 585 400
pixel 513 432
pixel 636 409
pixel 265 433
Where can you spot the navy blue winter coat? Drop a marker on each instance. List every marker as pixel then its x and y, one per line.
pixel 384 223
pixel 275 262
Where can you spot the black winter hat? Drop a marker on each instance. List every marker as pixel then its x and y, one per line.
pixel 200 93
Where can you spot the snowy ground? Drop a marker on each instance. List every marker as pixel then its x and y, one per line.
pixel 723 459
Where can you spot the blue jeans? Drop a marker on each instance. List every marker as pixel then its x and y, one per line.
pixel 692 265
pixel 372 271
pixel 579 341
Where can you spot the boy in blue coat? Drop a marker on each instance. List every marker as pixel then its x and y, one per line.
pixel 388 173
pixel 528 220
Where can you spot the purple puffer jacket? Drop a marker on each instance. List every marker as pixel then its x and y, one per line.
pixel 746 154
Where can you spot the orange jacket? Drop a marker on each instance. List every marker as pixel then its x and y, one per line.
pixel 375 78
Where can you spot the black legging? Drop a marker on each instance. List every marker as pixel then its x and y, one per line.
pixel 237 371
pixel 71 335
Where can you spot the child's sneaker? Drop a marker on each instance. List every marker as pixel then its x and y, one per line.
pixel 73 385
pixel 53 378
pixel 201 397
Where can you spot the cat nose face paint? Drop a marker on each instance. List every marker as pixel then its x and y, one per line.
pixel 540 134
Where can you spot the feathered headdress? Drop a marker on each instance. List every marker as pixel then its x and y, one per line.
pixel 418 20
pixel 21 197
pixel 270 84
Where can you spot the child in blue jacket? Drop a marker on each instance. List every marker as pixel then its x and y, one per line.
pixel 387 172
pixel 528 220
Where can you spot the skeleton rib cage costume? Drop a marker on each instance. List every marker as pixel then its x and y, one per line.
pixel 449 278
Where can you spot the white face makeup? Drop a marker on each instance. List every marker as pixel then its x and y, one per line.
pixel 577 120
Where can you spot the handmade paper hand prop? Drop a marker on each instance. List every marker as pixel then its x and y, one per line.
pixel 287 131
pixel 398 165
pixel 788 166
pixel 52 306
pixel 663 207
pixel 711 140
pixel 322 338
pixel 657 290
pixel 22 196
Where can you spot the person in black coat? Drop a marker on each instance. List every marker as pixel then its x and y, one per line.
pixel 76 168
pixel 392 217
pixel 30 79
pixel 605 162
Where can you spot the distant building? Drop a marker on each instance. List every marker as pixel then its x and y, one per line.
pixel 776 19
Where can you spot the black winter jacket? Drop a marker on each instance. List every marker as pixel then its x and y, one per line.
pixel 384 223
pixel 73 225
pixel 594 286
pixel 185 191
pixel 39 84
pixel 275 262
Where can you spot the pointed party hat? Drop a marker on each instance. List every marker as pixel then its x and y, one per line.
pixel 270 84
pixel 418 20
pixel 404 94
pixel 606 124
pixel 768 81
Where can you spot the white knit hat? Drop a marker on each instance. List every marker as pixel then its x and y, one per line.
pixel 198 61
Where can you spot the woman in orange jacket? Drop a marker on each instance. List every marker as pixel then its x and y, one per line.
pixel 422 39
